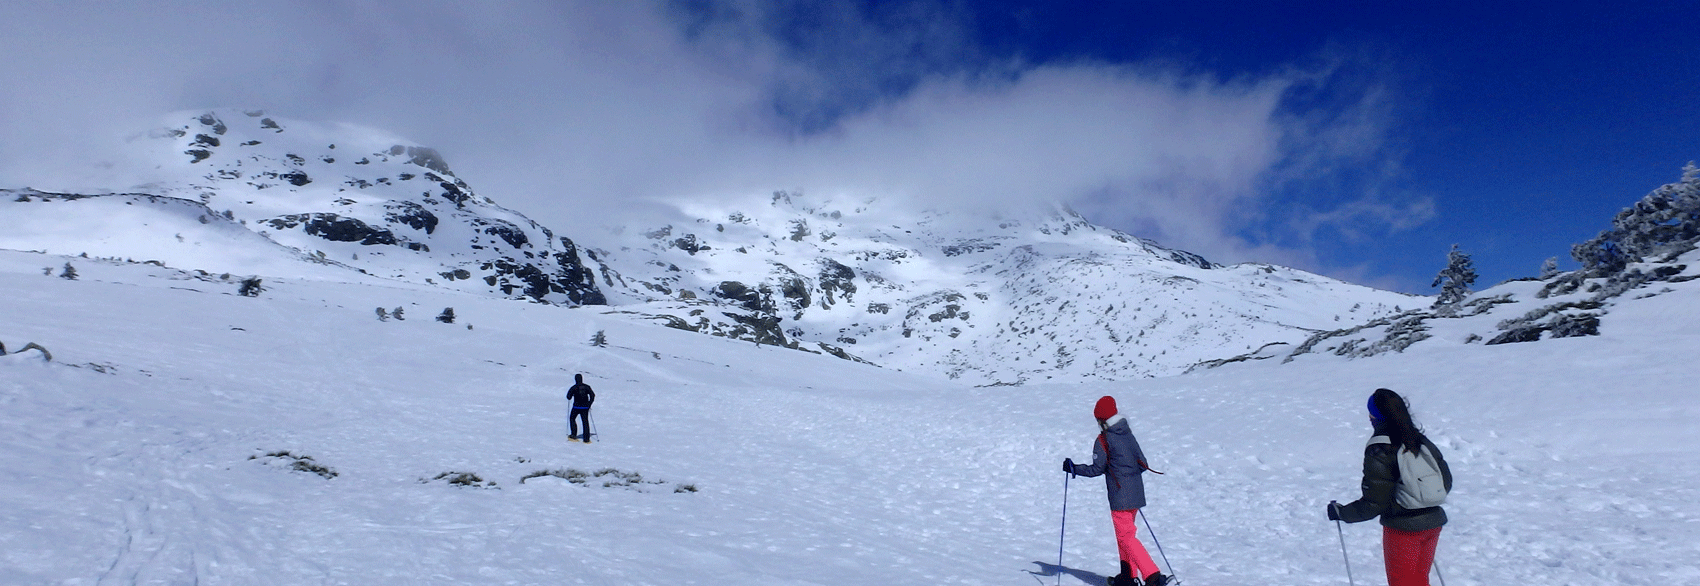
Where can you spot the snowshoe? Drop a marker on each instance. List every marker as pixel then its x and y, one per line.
pixel 1125 578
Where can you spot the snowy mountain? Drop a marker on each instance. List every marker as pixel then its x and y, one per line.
pixel 1005 299
pixel 333 194
pixel 1012 298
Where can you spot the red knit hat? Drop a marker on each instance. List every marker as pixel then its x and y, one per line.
pixel 1106 408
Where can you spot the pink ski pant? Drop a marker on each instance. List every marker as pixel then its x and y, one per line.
pixel 1409 555
pixel 1127 541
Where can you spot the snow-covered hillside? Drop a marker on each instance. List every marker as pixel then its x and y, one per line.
pixel 1008 298
pixel 185 434
pixel 1651 249
pixel 1014 298
pixel 344 195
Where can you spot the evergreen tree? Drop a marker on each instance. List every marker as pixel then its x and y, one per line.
pixel 383 315
pixel 600 340
pixel 69 273
pixel 250 287
pixel 1666 220
pixel 447 316
pixel 1455 280
pixel 397 314
pixel 1549 269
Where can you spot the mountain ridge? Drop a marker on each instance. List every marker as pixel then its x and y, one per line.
pixel 988 297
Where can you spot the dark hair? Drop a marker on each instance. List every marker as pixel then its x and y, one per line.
pixel 1395 420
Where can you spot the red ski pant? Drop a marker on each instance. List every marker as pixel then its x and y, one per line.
pixel 1127 542
pixel 1409 555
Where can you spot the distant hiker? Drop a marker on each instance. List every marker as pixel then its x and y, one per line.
pixel 1116 455
pixel 1405 480
pixel 581 396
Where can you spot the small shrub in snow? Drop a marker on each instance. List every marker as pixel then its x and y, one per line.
pixel 600 340
pixel 608 478
pixel 27 347
pixel 250 287
pixel 69 273
pixel 569 474
pixel 396 314
pixel 465 479
pixel 447 316
pixel 383 315
pixel 298 463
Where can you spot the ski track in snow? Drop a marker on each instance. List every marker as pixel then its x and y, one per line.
pixel 1571 455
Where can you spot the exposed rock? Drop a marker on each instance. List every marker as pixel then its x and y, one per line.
pixel 835 279
pixel 412 215
pixel 335 228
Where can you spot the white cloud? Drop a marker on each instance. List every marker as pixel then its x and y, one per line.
pixel 570 110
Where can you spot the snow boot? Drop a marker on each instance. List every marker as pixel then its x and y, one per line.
pixel 1125 578
pixel 1158 579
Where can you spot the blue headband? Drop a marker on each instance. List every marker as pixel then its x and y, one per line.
pixel 1373 412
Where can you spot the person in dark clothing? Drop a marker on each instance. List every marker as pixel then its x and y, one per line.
pixel 1409 536
pixel 1116 456
pixel 581 396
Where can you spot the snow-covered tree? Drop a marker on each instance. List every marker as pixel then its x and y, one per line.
pixel 69 273
pixel 447 316
pixel 1455 280
pixel 396 313
pixel 383 315
pixel 1666 220
pixel 600 340
pixel 250 287
pixel 1549 269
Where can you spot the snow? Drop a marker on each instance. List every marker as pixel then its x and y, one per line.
pixel 995 296
pixel 139 454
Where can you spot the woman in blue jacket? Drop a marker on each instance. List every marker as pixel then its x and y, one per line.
pixel 1117 457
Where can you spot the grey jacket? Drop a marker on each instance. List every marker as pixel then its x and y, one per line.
pixel 1117 453
pixel 1381 481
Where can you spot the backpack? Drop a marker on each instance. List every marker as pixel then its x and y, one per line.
pixel 1421 482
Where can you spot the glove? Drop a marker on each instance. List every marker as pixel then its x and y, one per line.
pixel 1068 465
pixel 1333 510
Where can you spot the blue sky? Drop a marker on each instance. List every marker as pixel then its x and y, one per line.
pixel 1355 139
pixel 1527 124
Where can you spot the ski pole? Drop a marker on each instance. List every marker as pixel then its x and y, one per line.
pixel 1343 553
pixel 1438 574
pixel 1064 532
pixel 1154 541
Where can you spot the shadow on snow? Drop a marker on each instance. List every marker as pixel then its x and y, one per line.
pixel 1049 570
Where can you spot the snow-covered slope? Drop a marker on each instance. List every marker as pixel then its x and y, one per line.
pixel 1652 249
pixel 183 434
pixel 347 195
pixel 1009 299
